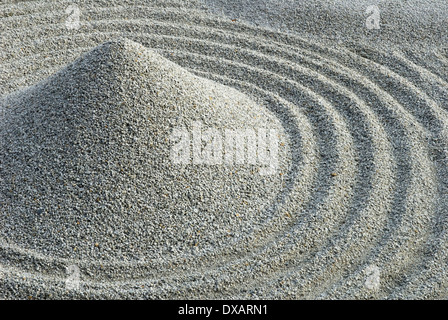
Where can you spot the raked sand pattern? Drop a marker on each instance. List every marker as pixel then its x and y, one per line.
pixel 357 209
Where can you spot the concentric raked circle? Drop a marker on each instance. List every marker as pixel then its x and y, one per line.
pixel 365 195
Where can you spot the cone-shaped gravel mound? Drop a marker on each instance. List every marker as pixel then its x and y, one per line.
pixel 88 170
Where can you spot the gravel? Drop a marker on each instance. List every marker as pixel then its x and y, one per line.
pixel 357 208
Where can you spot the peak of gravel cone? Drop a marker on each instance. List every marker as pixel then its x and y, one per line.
pixel 86 170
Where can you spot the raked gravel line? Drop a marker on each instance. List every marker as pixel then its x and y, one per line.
pixel 366 186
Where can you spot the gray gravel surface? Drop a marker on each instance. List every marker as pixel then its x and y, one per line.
pixel 357 208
